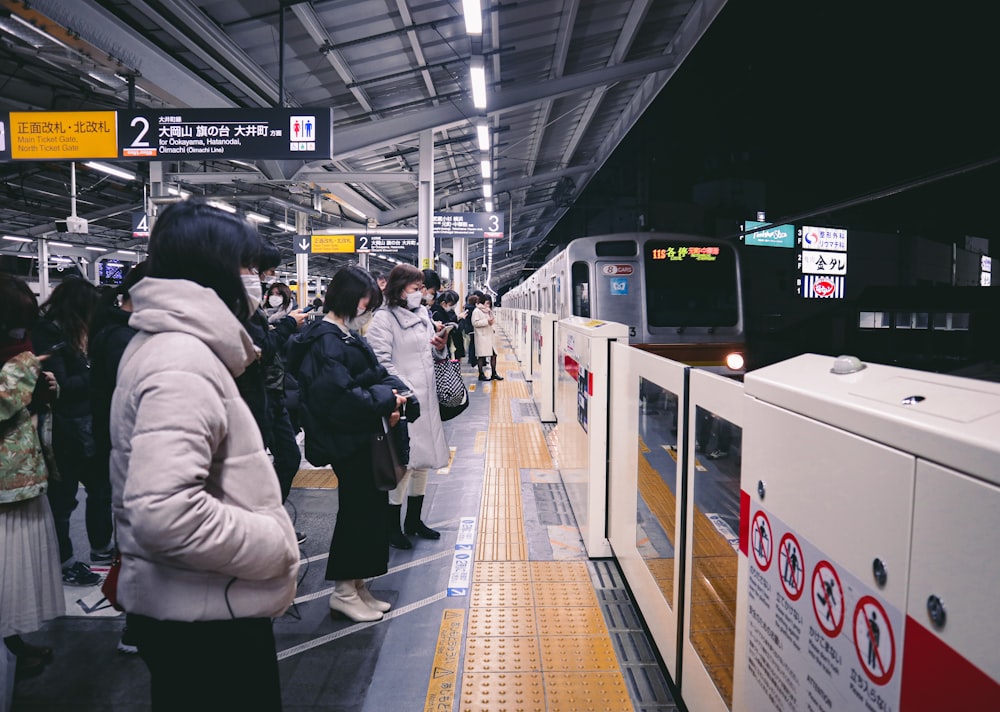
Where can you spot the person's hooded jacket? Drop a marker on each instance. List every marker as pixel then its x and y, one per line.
pixel 198 512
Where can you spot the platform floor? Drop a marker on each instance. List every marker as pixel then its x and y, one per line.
pixel 504 612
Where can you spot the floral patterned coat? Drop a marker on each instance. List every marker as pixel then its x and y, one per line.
pixel 23 474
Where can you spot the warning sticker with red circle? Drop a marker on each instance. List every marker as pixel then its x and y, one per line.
pixel 760 540
pixel 828 598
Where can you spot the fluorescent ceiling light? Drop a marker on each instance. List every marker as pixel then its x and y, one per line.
pixel 111 170
pixel 489 206
pixel 59 244
pixel 257 217
pixel 15 238
pixel 40 31
pixel 487 190
pixel 473 17
pixel 477 74
pixel 222 206
pixel 483 136
pixel 174 190
pixel 97 249
pixel 126 252
pixel 284 226
pixel 485 167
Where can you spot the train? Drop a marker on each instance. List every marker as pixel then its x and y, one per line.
pixel 680 295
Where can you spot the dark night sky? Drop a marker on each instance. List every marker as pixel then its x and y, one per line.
pixel 834 101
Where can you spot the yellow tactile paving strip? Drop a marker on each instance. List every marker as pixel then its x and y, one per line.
pixel 323 478
pixel 537 640
pixel 663 505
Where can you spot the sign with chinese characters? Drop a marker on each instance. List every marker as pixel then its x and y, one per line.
pixel 824 238
pixel 814 262
pixel 475 225
pixel 678 254
pixel 814 286
pixel 387 244
pixel 818 637
pixel 156 134
pixel 773 236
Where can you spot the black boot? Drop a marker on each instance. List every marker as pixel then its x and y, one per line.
pixel 396 538
pixel 413 526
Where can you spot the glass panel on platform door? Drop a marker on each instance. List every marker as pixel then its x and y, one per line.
pixel 715 543
pixel 656 479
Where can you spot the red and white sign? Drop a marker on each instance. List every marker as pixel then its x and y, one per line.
pixel 791 566
pixel 828 598
pixel 761 541
pixel 873 640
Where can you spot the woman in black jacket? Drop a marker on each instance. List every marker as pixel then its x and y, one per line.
pixel 66 316
pixel 344 394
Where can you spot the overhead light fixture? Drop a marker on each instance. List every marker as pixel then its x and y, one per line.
pixel 483 136
pixel 222 206
pixel 59 244
pixel 477 75
pixel 473 17
pixel 15 238
pixel 126 252
pixel 487 190
pixel 97 249
pixel 257 217
pixel 489 206
pixel 111 170
pixel 484 165
pixel 284 226
pixel 174 190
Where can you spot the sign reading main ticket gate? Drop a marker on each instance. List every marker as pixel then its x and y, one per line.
pixel 801 656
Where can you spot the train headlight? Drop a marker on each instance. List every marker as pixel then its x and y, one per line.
pixel 735 361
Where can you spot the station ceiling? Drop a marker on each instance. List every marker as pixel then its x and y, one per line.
pixel 566 80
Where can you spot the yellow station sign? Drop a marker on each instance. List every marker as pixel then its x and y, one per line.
pixel 327 244
pixel 47 135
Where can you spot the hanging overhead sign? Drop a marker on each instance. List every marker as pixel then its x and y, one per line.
pixel 474 225
pixel 350 243
pixel 773 236
pixel 159 134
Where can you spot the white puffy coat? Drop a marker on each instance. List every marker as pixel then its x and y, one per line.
pixel 401 339
pixel 198 513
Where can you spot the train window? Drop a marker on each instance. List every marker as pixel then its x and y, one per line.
pixel 912 320
pixel 581 289
pixel 951 321
pixel 689 284
pixel 874 320
pixel 616 248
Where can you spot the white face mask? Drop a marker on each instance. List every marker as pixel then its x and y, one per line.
pixel 251 283
pixel 414 299
pixel 361 312
pixel 275 300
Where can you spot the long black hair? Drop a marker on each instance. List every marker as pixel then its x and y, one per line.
pixel 195 241
pixel 71 306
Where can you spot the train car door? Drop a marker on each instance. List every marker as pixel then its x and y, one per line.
pixel 618 292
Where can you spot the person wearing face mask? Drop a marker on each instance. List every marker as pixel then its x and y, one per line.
pixel 345 395
pixel 279 302
pixel 403 337
pixel 263 383
pixel 482 321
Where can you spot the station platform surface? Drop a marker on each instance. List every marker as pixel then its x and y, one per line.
pixel 504 612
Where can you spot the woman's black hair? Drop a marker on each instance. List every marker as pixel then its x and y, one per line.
pixel 432 280
pixel 72 305
pixel 195 241
pixel 269 258
pixel 110 295
pixel 399 279
pixel 448 296
pixel 348 286
pixel 18 304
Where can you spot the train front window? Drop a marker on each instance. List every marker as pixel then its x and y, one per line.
pixel 689 284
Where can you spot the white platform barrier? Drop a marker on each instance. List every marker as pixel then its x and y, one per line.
pixel 581 386
pixel 869 570
pixel 541 364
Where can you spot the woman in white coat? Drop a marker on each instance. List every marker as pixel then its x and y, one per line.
pixel 482 321
pixel 403 338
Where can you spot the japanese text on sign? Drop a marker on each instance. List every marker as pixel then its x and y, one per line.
pixel 481 225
